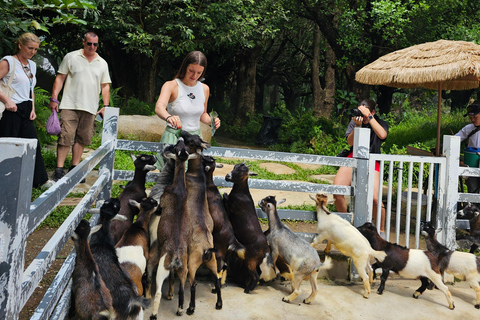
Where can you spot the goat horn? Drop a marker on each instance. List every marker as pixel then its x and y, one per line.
pixel 281 201
pixel 95 228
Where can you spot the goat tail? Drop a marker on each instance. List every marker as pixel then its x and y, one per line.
pixel 208 254
pixel 379 255
pixel 238 248
pixel 175 264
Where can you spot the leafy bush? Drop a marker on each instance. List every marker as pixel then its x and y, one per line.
pixel 137 107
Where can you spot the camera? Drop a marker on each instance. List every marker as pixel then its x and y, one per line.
pixel 356 113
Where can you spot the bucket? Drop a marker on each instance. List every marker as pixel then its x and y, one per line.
pixel 470 157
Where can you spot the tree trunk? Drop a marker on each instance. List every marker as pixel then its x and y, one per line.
pixel 318 96
pixel 384 99
pixel 330 63
pixel 246 83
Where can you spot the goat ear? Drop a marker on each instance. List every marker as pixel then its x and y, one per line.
pixel 252 174
pixel 149 167
pixel 207 168
pixel 281 201
pixel 95 228
pixel 170 155
pixel 218 165
pixel 438 230
pixel 133 157
pixel 193 156
pixel 313 198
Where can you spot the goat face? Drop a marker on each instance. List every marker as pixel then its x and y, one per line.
pixel 82 231
pixel 110 208
pixel 194 141
pixel 267 203
pixel 239 173
pixel 469 212
pixel 368 230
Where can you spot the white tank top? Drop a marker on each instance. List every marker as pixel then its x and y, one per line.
pixel 189 105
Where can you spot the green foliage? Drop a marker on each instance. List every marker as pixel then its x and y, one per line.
pixel 20 16
pixel 135 106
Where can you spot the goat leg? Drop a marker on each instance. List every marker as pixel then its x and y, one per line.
pixel 383 279
pixel 422 288
pixel 191 307
pixel 171 284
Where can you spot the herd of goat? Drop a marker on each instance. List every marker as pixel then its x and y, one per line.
pixel 185 222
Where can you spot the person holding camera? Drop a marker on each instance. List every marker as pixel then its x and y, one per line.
pixel 363 116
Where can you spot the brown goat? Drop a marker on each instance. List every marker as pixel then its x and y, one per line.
pixel 90 298
pixel 200 245
pixel 173 232
pixel 224 238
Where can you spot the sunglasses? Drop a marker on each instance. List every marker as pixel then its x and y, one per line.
pixel 95 44
pixel 28 72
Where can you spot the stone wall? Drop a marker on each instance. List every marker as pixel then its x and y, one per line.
pixel 149 128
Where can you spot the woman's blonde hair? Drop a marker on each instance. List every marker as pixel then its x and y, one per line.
pixel 26 38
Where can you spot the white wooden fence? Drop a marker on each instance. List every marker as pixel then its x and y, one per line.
pixel 19 217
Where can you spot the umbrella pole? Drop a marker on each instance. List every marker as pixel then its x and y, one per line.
pixel 439 110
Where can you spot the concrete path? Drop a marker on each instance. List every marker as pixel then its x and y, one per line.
pixel 339 300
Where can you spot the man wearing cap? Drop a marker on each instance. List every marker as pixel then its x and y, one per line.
pixel 471 133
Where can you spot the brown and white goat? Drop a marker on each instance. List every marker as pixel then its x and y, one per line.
pixel 135 190
pixel 244 219
pixel 90 298
pixel 299 256
pixel 462 265
pixel 347 239
pixel 224 238
pixel 408 263
pixel 133 247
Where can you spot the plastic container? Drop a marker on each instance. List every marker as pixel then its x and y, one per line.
pixel 470 157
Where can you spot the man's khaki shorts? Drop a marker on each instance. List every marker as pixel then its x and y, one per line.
pixel 77 126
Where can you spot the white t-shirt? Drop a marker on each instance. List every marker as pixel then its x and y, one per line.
pixel 189 105
pixel 20 82
pixel 82 86
pixel 474 140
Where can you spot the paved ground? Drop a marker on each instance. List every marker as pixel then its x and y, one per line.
pixel 335 300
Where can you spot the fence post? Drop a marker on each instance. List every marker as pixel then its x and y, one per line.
pixel 451 150
pixel 16 174
pixel 361 151
pixel 110 128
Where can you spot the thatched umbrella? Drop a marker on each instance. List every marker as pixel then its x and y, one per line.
pixel 439 65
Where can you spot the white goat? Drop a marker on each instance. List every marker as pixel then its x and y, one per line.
pixel 348 240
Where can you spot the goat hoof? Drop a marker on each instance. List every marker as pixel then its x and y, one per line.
pixel 218 306
pixel 246 291
pixel 453 307
pixel 213 290
pixel 153 317
pixel 380 292
pixel 190 311
pixel 179 312
pixel 416 294
pixel 285 300
pixel 306 302
pixel 477 306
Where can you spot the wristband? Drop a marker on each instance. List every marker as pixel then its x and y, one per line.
pixel 107 105
pixel 55 100
pixel 166 119
pixel 370 116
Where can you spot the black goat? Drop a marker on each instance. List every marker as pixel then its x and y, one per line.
pixel 126 302
pixel 241 209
